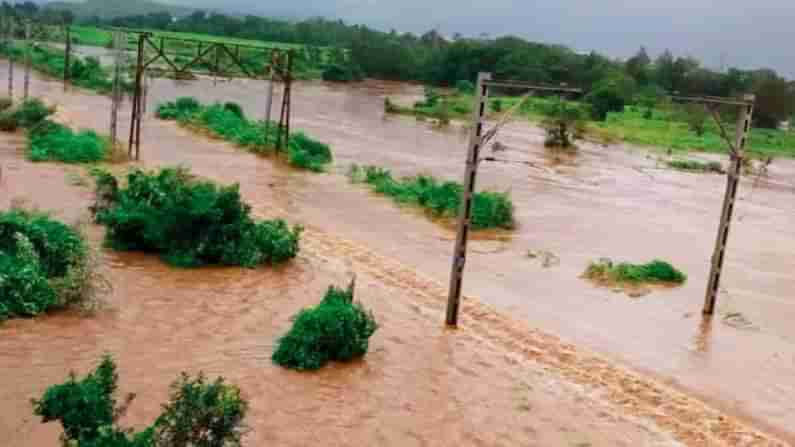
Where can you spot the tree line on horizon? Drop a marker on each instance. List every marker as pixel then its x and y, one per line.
pixel 435 59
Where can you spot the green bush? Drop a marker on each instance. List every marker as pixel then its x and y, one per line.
pixel 192 223
pixel 31 112
pixel 201 413
pixel 86 73
pixel 465 87
pixel 304 152
pixel 432 97
pixel 43 264
pixel 489 210
pixel 235 109
pixel 696 166
pixel 51 141
pixel 343 73
pixel 229 122
pixel 8 122
pixel 336 330
pixel 655 271
pixel 182 108
pixel 198 414
pixel 83 407
pixel 5 103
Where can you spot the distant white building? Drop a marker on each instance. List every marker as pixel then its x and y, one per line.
pixel 784 125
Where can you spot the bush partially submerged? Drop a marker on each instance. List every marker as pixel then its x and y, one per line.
pixel 490 209
pixel 656 271
pixel 696 166
pixel 50 141
pixel 44 264
pixel 228 121
pixel 84 72
pixel 199 413
pixel 343 73
pixel 182 108
pixel 304 152
pixel 31 112
pixel 192 223
pixel 5 103
pixel 83 407
pixel 336 330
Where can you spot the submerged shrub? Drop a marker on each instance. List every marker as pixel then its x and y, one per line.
pixel 8 122
pixel 182 108
pixel 228 121
pixel 83 407
pixel 51 141
pixel 31 112
pixel 696 166
pixel 235 109
pixel 443 199
pixel 655 271
pixel 84 72
pixel 336 330
pixel 43 264
pixel 201 413
pixel 5 103
pixel 192 223
pixel 343 73
pixel 198 414
pixel 305 152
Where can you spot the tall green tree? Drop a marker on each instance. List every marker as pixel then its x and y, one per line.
pixel 638 66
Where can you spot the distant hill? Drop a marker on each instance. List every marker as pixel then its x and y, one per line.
pixel 109 9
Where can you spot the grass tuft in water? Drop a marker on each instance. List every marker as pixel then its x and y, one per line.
pixel 656 271
pixel 696 166
pixel 442 199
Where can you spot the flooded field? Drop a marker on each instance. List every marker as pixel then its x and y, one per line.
pixel 606 202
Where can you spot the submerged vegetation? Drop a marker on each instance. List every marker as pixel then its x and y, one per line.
pixel 189 222
pixel 198 413
pixel 671 126
pixel 443 199
pixel 338 329
pixel 44 265
pixel 83 72
pixel 657 271
pixel 51 141
pixel 696 166
pixel 228 121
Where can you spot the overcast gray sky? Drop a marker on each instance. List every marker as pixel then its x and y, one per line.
pixel 748 34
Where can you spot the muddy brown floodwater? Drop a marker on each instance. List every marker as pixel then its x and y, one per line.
pixel 497 381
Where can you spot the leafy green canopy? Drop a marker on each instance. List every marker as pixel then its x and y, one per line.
pixel 229 122
pixel 41 261
pixel 193 223
pixel 489 210
pixel 199 413
pixel 336 330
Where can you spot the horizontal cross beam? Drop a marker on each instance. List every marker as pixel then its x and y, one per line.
pixel 528 86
